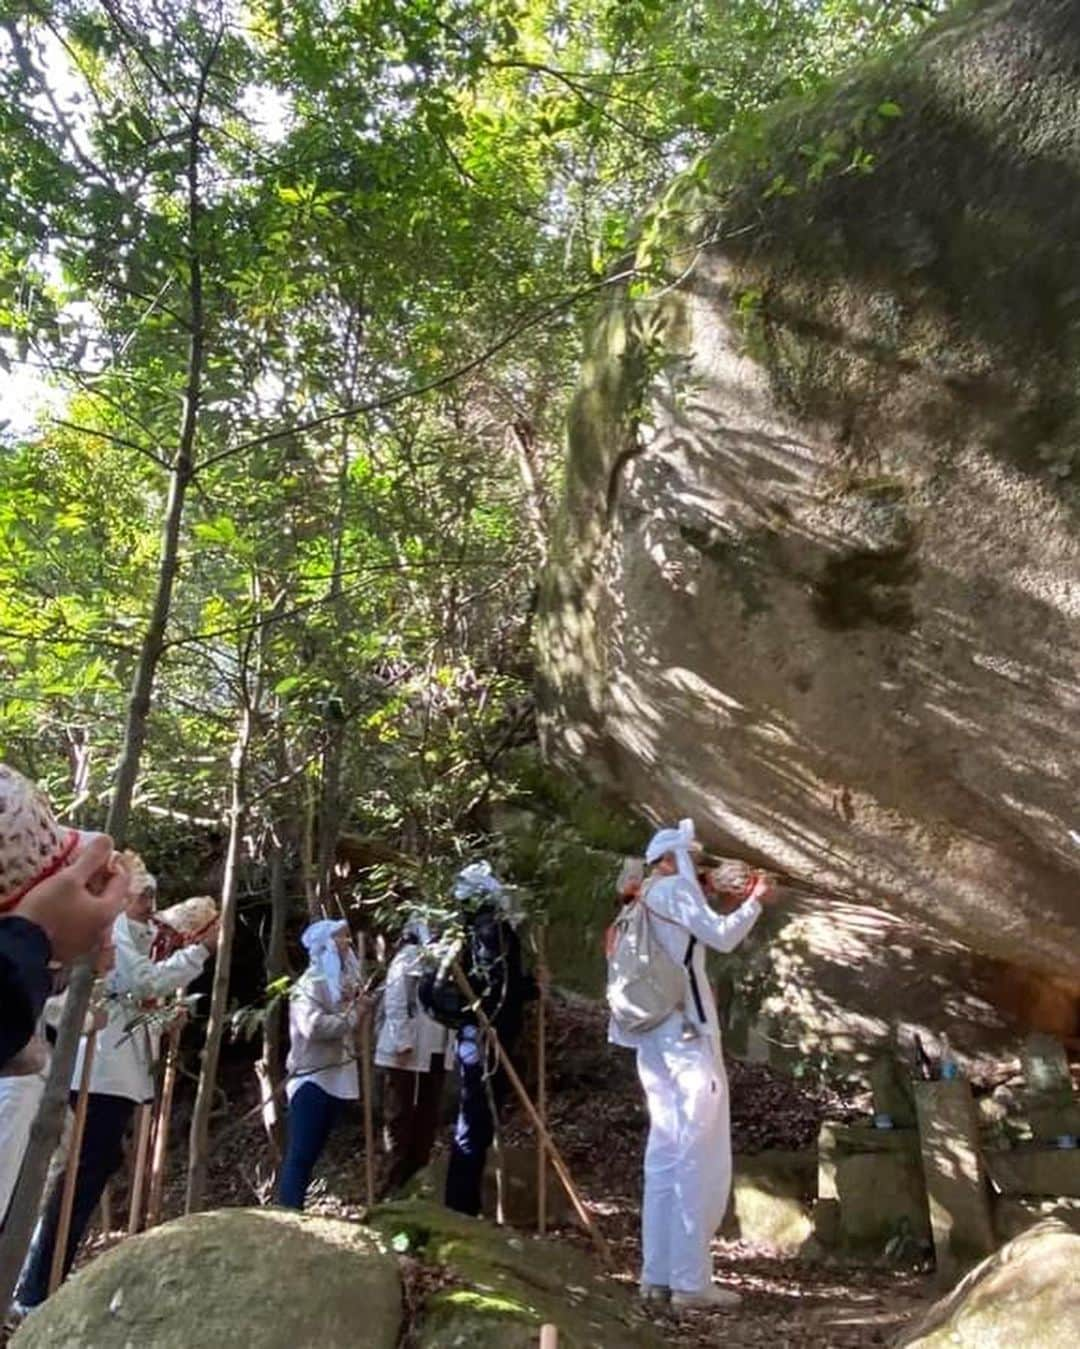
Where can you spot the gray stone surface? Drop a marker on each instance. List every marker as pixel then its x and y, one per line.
pixel 1035 1171
pixel 817 586
pixel 870 1188
pixel 234 1277
pixel 956 1181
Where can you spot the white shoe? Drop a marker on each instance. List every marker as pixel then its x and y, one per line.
pixel 654 1292
pixel 709 1299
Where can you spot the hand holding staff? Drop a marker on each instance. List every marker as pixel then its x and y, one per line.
pixel 543 1136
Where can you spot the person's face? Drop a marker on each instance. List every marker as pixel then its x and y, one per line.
pixel 667 866
pixel 142 906
pixel 343 941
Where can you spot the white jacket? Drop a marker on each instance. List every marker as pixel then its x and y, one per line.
pixel 408 1037
pixel 123 1059
pixel 679 913
pixel 322 1035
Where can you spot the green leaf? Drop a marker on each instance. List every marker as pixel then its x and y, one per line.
pixel 889 109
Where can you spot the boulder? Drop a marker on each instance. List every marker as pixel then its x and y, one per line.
pixel 817 575
pixel 1026 1296
pixel 499 1287
pixel 239 1277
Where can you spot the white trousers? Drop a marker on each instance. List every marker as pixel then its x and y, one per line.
pixel 687 1158
pixel 19 1100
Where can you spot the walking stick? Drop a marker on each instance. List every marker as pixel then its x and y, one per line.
pixel 138 1183
pixel 544 1136
pixel 541 1087
pixel 161 1131
pixel 67 1199
pixel 366 1078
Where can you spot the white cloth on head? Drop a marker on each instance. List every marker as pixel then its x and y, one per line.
pixel 324 958
pixel 476 881
pixel 680 843
pixel 417 928
pixel 687 1158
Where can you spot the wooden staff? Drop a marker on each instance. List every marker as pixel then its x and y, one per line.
pixel 138 1183
pixel 366 1079
pixel 161 1129
pixel 544 1138
pixel 67 1199
pixel 541 1086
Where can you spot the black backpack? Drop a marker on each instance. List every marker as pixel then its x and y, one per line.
pixel 486 961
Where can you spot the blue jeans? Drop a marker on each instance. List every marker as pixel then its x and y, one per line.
pixel 101 1155
pixel 474 1129
pixel 312 1114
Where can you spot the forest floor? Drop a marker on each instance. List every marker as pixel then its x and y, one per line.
pixel 599 1122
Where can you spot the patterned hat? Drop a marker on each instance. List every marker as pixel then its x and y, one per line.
pixel 189 916
pixel 32 844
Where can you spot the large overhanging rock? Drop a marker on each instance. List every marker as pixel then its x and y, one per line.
pixel 818 576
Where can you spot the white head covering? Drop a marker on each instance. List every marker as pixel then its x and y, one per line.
pixel 632 873
pixel 416 927
pixel 680 842
pixel 477 880
pixel 323 955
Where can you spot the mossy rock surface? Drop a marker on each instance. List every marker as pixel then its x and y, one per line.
pixel 507 1285
pixel 817 586
pixel 242 1277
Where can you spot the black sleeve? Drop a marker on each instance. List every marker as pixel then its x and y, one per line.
pixel 24 982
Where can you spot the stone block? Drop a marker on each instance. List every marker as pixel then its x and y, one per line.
pixel 772 1197
pixel 870 1187
pixel 1036 1171
pixel 1013 1216
pixel 956 1181
pixel 891 1087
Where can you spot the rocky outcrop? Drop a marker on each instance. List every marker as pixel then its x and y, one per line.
pixel 1025 1296
pixel 818 576
pixel 233 1277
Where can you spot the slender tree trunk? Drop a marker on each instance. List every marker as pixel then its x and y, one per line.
pixel 199 1138
pixel 272 1067
pixel 330 811
pixel 48 1125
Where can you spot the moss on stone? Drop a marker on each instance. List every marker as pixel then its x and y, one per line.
pixel 506 1285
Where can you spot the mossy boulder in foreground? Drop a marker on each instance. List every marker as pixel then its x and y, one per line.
pixel 239 1277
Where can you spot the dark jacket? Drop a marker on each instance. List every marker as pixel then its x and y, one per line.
pixel 24 982
pixel 497 973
